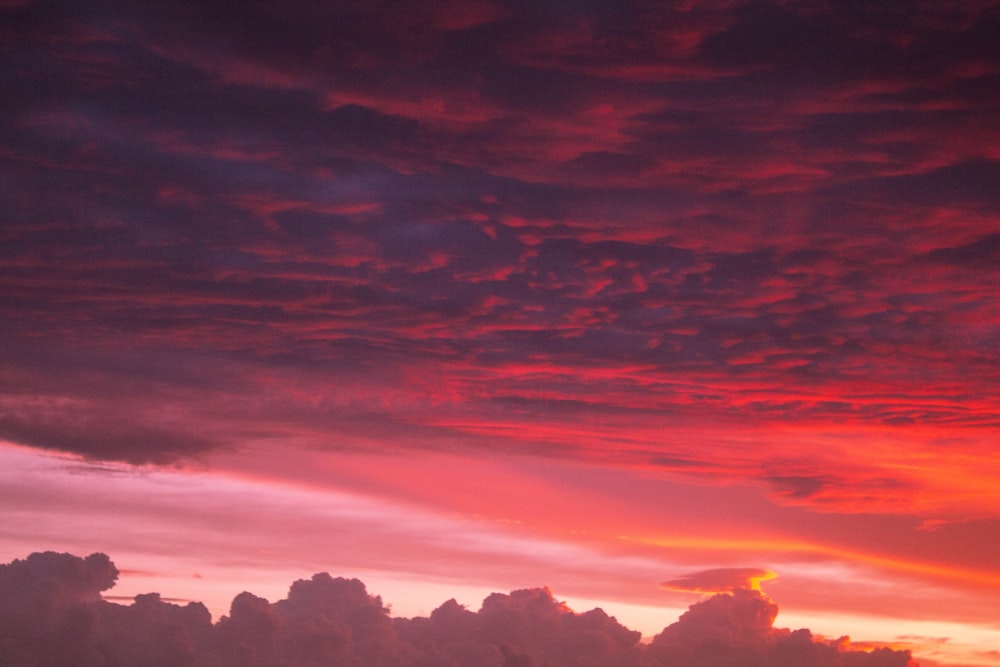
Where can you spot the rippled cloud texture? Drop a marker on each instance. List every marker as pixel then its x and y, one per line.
pixel 674 287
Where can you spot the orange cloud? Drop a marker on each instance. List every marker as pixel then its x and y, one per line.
pixel 720 580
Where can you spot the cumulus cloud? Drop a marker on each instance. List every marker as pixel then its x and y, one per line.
pixel 52 614
pixel 736 630
pixel 527 627
pixel 45 599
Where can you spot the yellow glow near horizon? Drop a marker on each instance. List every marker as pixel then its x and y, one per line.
pixel 966 575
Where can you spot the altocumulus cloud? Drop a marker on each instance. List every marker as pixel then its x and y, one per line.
pixel 52 613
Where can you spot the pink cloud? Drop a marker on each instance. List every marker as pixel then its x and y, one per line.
pixel 335 619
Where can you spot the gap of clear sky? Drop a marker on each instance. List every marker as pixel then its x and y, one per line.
pixel 639 301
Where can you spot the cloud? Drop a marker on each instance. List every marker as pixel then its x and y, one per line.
pixel 43 598
pixel 737 630
pixel 456 208
pixel 95 434
pixel 721 580
pixel 730 243
pixel 981 253
pixel 53 612
pixel 54 581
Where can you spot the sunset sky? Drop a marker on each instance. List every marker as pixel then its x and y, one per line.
pixel 638 301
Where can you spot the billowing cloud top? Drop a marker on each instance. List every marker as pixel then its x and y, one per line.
pixel 327 620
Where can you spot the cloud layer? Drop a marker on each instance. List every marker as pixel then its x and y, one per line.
pixel 53 614
pixel 709 283
pixel 573 233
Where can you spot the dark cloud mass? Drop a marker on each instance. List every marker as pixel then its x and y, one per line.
pixel 53 615
pixel 737 630
pixel 747 211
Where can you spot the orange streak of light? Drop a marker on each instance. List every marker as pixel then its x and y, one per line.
pixel 966 575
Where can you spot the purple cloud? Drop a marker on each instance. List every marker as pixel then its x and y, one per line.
pixel 53 612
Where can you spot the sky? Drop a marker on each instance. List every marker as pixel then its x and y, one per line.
pixel 639 301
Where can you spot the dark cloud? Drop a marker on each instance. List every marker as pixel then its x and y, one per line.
pixel 798 486
pixel 983 253
pixel 53 615
pixel 737 630
pixel 52 582
pixel 743 207
pixel 851 40
pixel 106 436
pixel 44 599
